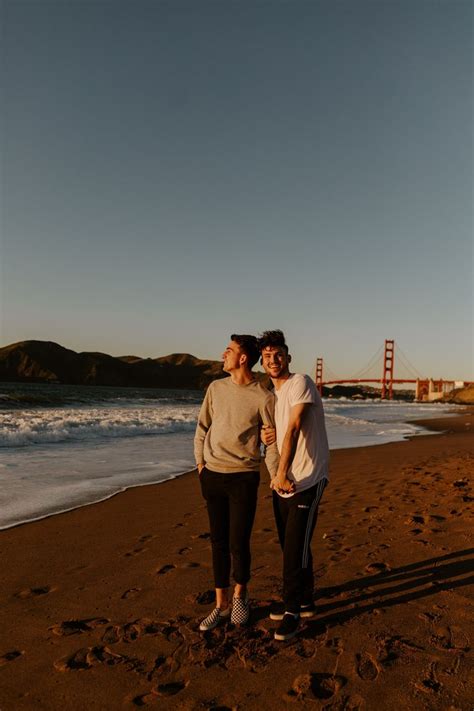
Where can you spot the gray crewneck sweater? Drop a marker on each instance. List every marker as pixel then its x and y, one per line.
pixel 228 431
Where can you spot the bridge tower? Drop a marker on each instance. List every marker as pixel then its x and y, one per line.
pixel 387 376
pixel 319 375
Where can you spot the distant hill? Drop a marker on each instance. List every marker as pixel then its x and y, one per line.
pixel 463 396
pixel 48 362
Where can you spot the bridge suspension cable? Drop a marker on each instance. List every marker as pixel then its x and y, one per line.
pixel 408 365
pixel 369 365
pixel 329 374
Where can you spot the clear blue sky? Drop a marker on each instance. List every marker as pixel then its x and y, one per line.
pixel 177 171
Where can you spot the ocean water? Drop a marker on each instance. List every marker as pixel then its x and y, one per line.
pixel 62 447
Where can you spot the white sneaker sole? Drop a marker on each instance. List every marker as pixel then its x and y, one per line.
pixel 278 616
pixel 285 637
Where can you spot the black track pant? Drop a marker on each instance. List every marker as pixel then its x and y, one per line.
pixel 295 518
pixel 231 504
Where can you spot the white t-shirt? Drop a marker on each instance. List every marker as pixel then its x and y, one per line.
pixel 311 461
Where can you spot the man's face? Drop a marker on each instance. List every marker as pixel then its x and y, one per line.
pixel 275 361
pixel 232 356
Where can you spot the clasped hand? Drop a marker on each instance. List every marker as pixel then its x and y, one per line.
pixel 282 485
pixel 268 435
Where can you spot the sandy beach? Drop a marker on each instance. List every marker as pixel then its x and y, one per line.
pixel 100 606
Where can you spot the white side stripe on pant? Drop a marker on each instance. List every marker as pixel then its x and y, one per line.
pixel 309 523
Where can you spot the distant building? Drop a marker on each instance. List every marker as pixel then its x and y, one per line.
pixel 430 390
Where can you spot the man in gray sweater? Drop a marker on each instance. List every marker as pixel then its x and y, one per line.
pixel 227 451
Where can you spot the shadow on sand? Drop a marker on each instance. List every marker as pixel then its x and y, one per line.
pixel 388 588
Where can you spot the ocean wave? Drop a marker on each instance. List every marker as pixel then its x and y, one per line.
pixel 346 420
pixel 18 396
pixel 33 427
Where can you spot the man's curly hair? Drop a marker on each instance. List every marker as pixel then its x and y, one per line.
pixel 276 339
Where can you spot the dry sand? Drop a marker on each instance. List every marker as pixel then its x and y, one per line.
pixel 100 606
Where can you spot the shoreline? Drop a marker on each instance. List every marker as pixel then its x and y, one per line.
pixel 424 423
pixel 101 604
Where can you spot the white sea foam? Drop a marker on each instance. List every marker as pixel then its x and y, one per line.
pixel 58 458
pixel 41 426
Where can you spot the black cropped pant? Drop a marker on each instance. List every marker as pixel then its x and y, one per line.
pixel 231 505
pixel 295 517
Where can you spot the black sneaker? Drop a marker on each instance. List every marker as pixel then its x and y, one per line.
pixel 308 610
pixel 277 611
pixel 288 628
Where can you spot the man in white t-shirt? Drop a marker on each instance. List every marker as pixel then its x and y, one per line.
pixel 302 475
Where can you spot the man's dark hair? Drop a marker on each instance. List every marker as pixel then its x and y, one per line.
pixel 249 345
pixel 275 339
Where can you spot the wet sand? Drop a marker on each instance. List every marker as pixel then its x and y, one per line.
pixel 100 606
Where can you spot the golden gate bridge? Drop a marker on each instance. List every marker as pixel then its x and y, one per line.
pixel 428 389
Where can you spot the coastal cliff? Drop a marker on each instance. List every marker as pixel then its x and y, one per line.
pixel 49 362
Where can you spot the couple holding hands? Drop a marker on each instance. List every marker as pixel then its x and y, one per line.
pixel 237 415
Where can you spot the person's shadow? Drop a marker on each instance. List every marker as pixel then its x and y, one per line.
pixel 388 588
pixel 393 587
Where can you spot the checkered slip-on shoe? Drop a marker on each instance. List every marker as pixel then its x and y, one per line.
pixel 240 611
pixel 215 618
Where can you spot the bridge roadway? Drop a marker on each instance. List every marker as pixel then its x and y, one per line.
pixel 365 380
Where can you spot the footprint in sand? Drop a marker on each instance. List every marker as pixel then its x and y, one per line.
pixel 135 551
pixel 171 688
pixel 88 657
pixel 428 617
pixel 183 551
pixel 69 627
pixel 335 643
pixel 431 683
pixel 337 557
pixel 317 685
pixel 10 657
pixel 205 598
pixel 144 699
pixel 450 638
pixel 375 529
pixel 333 536
pixel 377 568
pixel 165 569
pixel 154 695
pixel 122 633
pixel 191 564
pixel 34 592
pixel 366 667
pixel 130 593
